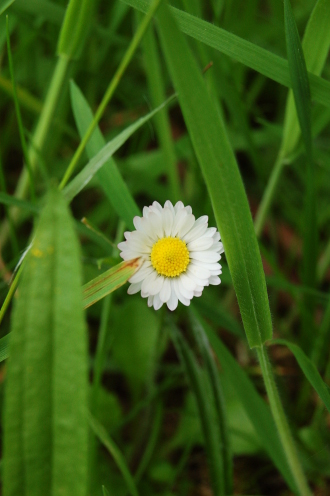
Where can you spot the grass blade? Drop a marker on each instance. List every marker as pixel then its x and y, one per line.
pixel 109 176
pixel 256 409
pixel 4 4
pixel 109 281
pixel 210 429
pixel 4 348
pixel 249 54
pixel 309 369
pixel 115 452
pixel 46 429
pixel 94 165
pixel 223 180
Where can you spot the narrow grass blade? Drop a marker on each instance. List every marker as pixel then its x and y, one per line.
pixel 109 281
pixel 46 428
pixel 213 376
pixel 210 429
pixel 94 165
pixel 301 93
pixel 76 24
pixel 223 180
pixel 109 176
pixel 249 54
pixel 4 348
pixel 256 409
pixel 10 200
pixel 4 4
pixel 115 452
pixel 309 369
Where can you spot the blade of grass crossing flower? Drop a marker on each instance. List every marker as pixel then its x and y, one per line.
pixel 115 452
pixel 213 375
pixel 223 180
pixel 201 390
pixel 95 164
pixel 46 428
pixel 301 93
pixel 309 369
pixel 109 176
pixel 109 281
pixel 256 409
pixel 245 52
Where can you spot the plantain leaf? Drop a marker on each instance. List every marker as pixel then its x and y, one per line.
pixel 223 180
pixel 45 418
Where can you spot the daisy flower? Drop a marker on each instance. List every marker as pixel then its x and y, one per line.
pixel 180 255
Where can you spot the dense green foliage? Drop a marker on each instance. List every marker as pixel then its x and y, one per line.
pixel 105 108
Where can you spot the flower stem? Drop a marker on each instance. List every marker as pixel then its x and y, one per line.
pixel 282 423
pixel 111 89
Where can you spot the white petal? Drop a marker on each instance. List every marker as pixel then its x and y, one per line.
pixel 198 293
pixel 179 221
pixel 188 282
pixel 215 280
pixel 141 274
pixel 134 288
pixel 165 292
pixel 185 301
pixel 157 302
pixel 150 301
pixel 200 282
pixel 156 285
pixel 148 283
pixel 200 244
pixel 173 301
pixel 169 205
pixel 200 272
pixel 137 222
pixel 205 256
pixel 205 265
pixel 196 232
pixel 178 206
pixel 129 255
pixel 156 224
pixel 186 225
pixel 186 293
pixel 168 219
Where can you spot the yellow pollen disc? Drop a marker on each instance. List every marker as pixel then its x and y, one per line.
pixel 170 257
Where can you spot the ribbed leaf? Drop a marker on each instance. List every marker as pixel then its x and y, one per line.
pixel 95 164
pixel 223 180
pixel 46 428
pixel 109 176
pixel 309 369
pixel 249 54
pixel 109 281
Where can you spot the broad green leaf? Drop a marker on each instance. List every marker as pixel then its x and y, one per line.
pixel 249 54
pixel 309 369
pixel 115 452
pixel 4 4
pixel 201 390
pixel 223 180
pixel 46 427
pixel 109 176
pixel 109 281
pixel 94 165
pixel 255 408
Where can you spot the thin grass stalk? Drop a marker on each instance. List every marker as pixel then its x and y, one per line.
pixel 282 423
pixel 111 89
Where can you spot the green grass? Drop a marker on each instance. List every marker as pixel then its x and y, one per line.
pixel 105 108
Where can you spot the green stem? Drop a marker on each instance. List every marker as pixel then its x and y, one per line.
pixel 10 293
pixel 282 423
pixel 111 89
pixel 268 194
pixel 39 137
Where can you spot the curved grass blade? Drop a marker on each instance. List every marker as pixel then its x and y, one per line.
pixel 309 369
pixel 115 452
pixel 223 180
pixel 109 281
pixel 109 176
pixel 249 54
pixel 200 388
pixel 255 408
pixel 94 165
pixel 46 428
pixel 213 376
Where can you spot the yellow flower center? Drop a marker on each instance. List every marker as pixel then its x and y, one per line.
pixel 170 257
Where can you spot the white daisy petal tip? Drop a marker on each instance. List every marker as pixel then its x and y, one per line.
pixel 174 251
